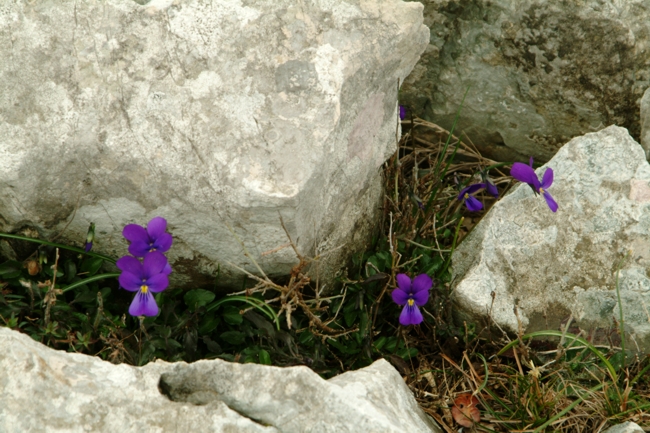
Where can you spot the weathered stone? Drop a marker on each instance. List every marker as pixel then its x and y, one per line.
pixel 553 266
pixel 626 427
pixel 69 392
pixel 645 122
pixel 541 72
pixel 219 116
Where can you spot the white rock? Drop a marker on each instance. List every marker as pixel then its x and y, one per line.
pixel 556 265
pixel 626 427
pixel 218 116
pixel 44 390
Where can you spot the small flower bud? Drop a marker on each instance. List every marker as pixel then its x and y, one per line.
pixel 90 237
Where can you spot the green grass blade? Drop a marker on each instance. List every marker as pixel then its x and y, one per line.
pixel 61 246
pixel 260 305
pixel 90 280
pixel 550 333
pixel 566 409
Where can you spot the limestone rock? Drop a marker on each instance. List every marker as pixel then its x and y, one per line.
pixel 645 122
pixel 553 266
pixel 218 116
pixel 41 387
pixel 541 72
pixel 626 427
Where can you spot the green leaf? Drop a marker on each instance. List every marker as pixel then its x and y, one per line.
pixel 10 269
pixel 350 313
pixel 208 324
pixel 91 265
pixel 212 345
pixel 409 353
pixel 231 315
pixel 235 338
pixel 173 344
pixel 351 349
pixel 159 343
pixel 380 342
pixel 384 260
pixel 305 337
pixel 198 298
pixel 391 344
pixel 265 358
pixel 86 296
pixel 70 270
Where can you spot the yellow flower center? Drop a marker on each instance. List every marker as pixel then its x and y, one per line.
pixel 466 196
pixel 411 302
pixel 541 190
pixel 144 288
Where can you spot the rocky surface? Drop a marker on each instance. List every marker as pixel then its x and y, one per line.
pixel 626 427
pixel 77 393
pixel 556 266
pixel 218 116
pixel 645 122
pixel 540 72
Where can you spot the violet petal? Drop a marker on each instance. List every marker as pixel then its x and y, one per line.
pixel 470 190
pixel 163 242
pixel 549 201
pixel 158 283
pixel 130 264
pixel 421 283
pixel 130 282
pixel 134 232
pixel 139 248
pixel 143 304
pixel 156 227
pixel 547 179
pixel 153 264
pixel 523 173
pixel 492 189
pixel 400 297
pixel 403 282
pixel 421 298
pixel 473 204
pixel 410 315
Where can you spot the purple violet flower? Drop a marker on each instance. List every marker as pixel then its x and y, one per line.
pixel 472 203
pixel 153 238
pixel 402 112
pixel 526 173
pixel 412 295
pixel 144 278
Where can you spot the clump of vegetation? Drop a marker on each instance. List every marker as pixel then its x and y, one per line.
pixel 63 297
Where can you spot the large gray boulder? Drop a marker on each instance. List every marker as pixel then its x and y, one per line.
pixel 554 266
pixel 218 116
pixel 541 72
pixel 42 389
